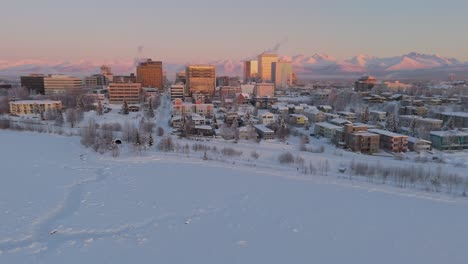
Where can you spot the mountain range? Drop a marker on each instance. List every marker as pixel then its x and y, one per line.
pixel 411 65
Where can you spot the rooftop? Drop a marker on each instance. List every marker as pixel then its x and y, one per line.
pixel 386 133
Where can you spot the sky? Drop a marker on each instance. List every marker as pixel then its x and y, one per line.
pixel 198 31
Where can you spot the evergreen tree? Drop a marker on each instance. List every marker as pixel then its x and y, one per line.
pixel 412 128
pixel 59 119
pixel 390 123
pixel 137 138
pixel 150 111
pixel 124 109
pixel 150 140
pixel 365 115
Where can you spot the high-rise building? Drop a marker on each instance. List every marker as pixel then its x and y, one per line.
pixel 150 74
pixel 180 77
pixel 62 84
pixel 95 81
pixel 250 70
pixel 107 73
pixel 281 74
pixel 120 92
pixel 201 79
pixel 124 78
pixel 33 82
pixel 264 66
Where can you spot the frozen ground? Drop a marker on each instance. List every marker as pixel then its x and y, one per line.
pixel 61 203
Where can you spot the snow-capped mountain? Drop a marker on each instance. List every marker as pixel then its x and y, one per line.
pixel 316 65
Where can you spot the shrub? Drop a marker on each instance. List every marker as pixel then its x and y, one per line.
pixel 286 158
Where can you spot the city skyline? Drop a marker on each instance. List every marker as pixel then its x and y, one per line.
pixel 187 32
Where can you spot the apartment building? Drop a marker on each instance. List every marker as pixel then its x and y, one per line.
pixel 359 139
pixel 450 140
pixel 431 124
pixel 28 107
pixel 177 91
pixel 390 141
pixel 264 90
pixel 325 129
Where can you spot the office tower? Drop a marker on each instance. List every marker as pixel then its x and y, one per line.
pixel 124 78
pixel 180 77
pixel 201 79
pixel 33 82
pixel 250 70
pixel 264 66
pixel 95 81
pixel 107 73
pixel 150 74
pixel 62 84
pixel 120 92
pixel 281 74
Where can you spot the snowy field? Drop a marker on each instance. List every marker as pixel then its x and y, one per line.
pixel 62 203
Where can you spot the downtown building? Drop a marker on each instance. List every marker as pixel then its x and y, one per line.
pixel 282 75
pixel 200 80
pixel 128 92
pixel 250 71
pixel 62 84
pixel 265 62
pixel 34 83
pixel 150 74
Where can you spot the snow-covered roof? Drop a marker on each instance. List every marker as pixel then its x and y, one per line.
pixel 204 127
pixel 339 121
pixel 386 133
pixel 457 133
pixel 263 128
pixel 457 114
pixel 327 125
pixel 36 102
pixel 418 140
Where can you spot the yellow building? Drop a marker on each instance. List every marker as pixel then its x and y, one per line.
pixel 264 66
pixel 201 79
pixel 28 107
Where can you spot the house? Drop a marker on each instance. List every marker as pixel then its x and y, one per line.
pixel 378 116
pixel 298 119
pixel 242 98
pixel 267 118
pixel 177 121
pixel 204 130
pixel 419 145
pixel 390 141
pixel 339 122
pixel 264 132
pixel 350 116
pixel 325 108
pixel 197 119
pixel 450 140
pixel 314 114
pixel 325 129
pixel 248 132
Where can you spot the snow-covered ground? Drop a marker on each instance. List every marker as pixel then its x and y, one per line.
pixel 62 203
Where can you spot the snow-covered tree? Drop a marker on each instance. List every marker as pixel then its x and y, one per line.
pixel 124 109
pixel 99 108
